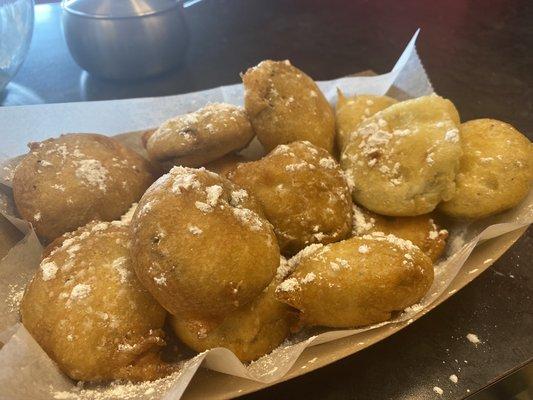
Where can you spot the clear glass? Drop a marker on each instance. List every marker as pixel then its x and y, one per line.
pixel 16 28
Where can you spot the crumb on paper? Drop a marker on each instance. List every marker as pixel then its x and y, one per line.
pixel 473 338
pixel 438 390
pixel 454 378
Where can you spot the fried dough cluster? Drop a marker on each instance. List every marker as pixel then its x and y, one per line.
pixel 356 282
pixel 403 160
pixel 201 245
pixel 197 138
pixel 303 193
pixel 90 313
pixel 495 172
pixel 205 245
pixel 65 183
pixel 285 105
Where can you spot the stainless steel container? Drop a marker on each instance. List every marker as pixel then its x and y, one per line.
pixel 125 39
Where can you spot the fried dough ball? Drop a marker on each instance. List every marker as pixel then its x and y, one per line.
pixel 421 230
pixel 197 138
pixel 224 165
pixel 356 282
pixel 402 161
pixel 89 312
pixel 496 170
pixel 351 111
pixel 250 332
pixel 286 105
pixel 65 183
pixel 201 245
pixel 303 193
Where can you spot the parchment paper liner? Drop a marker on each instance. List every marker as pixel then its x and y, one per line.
pixel 27 372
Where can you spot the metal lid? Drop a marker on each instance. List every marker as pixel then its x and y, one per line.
pixel 117 8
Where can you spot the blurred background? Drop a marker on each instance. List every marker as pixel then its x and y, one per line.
pixel 461 41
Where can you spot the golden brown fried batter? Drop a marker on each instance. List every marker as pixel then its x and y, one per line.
pixel 88 311
pixel 64 183
pixel 286 105
pixel 351 111
pixel 402 161
pixel 303 193
pixel 224 165
pixel 356 282
pixel 421 230
pixel 496 170
pixel 201 245
pixel 250 332
pixel 197 138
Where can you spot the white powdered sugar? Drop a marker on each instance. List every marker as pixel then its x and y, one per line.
pixel 338 264
pixel 161 280
pixel 100 226
pixel 80 291
pixel 184 178
pixel 433 235
pixel 284 268
pixel 305 252
pixel 363 249
pixel 473 338
pixel 93 173
pixel 327 162
pixel 298 166
pixel 204 207
pixel 126 218
pixel 248 218
pixel 119 265
pixel 438 390
pixel 238 196
pixel 310 277
pixel 361 224
pixel 403 244
pixel 48 269
pixel 213 194
pixel 288 285
pixel 452 135
pixel 194 230
pixel 37 216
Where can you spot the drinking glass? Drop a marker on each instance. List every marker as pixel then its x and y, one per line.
pixel 16 27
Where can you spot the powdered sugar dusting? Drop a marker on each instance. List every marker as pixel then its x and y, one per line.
pixel 80 291
pixel 48 269
pixel 473 338
pixel 361 224
pixel 204 207
pixel 288 285
pixel 93 173
pixel 363 249
pixel 248 218
pixel 194 230
pixel 119 265
pixel 183 178
pixel 213 194
pixel 238 196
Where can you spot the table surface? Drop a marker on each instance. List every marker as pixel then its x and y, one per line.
pixel 477 53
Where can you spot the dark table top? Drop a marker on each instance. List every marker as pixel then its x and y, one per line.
pixel 477 53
